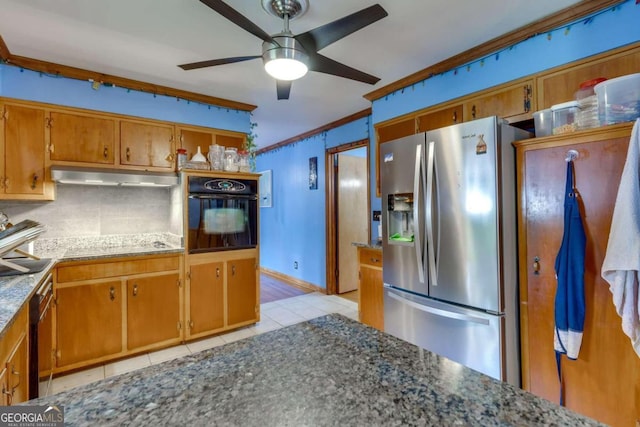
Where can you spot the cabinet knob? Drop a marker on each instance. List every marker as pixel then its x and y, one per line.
pixel 536 265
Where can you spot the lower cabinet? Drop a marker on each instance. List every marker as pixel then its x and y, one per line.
pixel 371 304
pixel 89 322
pixel 222 291
pixel 14 361
pixel 116 307
pixel 153 310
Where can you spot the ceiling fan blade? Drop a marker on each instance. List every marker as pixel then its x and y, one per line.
pixel 322 64
pixel 324 35
pixel 237 18
pixel 212 62
pixel 283 87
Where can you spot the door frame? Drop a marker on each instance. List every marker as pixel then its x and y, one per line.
pixel 331 208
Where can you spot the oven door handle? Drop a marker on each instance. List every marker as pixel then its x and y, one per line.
pixel 224 196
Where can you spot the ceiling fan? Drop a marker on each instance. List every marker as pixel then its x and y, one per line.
pixel 287 56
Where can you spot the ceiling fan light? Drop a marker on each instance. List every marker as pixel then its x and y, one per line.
pixel 286 68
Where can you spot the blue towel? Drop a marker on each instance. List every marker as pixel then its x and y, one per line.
pixel 569 304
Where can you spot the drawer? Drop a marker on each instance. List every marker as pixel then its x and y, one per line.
pixel 371 257
pixel 122 267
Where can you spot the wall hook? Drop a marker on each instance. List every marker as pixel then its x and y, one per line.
pixel 572 155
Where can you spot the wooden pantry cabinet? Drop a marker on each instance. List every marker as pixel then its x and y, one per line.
pixel 116 307
pixel 513 101
pixel 23 167
pixel 14 360
pixel 192 137
pixel 603 382
pixel 370 295
pixel 222 291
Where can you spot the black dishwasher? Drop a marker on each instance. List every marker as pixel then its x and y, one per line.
pixel 40 337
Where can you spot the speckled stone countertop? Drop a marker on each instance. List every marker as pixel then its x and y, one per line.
pixel 374 244
pixel 329 371
pixel 15 291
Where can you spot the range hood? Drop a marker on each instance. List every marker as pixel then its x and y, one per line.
pixel 97 176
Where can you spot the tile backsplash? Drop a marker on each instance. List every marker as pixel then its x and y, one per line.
pixel 81 210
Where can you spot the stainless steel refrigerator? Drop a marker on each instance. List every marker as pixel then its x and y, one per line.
pixel 449 244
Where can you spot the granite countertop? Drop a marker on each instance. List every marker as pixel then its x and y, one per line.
pixel 16 290
pixel 374 244
pixel 329 371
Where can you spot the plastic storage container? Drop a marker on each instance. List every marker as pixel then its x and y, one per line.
pixel 619 99
pixel 564 117
pixel 543 122
pixel 588 116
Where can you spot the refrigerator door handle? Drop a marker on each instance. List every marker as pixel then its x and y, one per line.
pixel 439 312
pixel 433 272
pixel 418 173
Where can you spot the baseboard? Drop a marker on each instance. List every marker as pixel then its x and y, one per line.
pixel 296 283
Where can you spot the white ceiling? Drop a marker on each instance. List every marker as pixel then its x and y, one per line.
pixel 146 40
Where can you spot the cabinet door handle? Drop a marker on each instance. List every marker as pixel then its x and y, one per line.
pixel 16 373
pixel 536 265
pixel 51 148
pixel 6 183
pixel 375 260
pixel 455 117
pixel 233 270
pixel 135 289
pixel 1 182
pixel 34 183
pixel 217 272
pixel 473 111
pixel 128 154
pixel 105 153
pixel 527 98
pixel 112 293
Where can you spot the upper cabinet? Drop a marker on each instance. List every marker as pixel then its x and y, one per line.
pixel 559 85
pixel 514 102
pixel 192 137
pixel 439 118
pixel 22 150
pixel 82 138
pixel 147 144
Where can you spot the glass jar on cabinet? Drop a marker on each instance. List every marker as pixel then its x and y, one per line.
pixel 231 159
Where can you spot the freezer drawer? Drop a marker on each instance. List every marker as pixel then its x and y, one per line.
pixel 469 337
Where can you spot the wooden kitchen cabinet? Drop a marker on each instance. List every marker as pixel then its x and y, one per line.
pixel 603 382
pixel 192 137
pixel 14 360
pixel 242 301
pixel 206 297
pixel 514 102
pixel 23 169
pixel 223 291
pixel 153 310
pixel 110 308
pixel 440 118
pixel 560 84
pixel 88 322
pixel 370 295
pixel 82 138
pixel 147 145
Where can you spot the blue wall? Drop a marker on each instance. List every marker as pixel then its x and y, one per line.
pixel 294 229
pixel 29 85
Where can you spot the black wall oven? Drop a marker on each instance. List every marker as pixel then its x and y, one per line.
pixel 222 214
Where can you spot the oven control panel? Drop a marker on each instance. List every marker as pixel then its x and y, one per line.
pixel 221 185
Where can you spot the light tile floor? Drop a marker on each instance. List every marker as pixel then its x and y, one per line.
pixel 273 315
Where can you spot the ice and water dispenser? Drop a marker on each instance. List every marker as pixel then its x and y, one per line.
pixel 400 221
